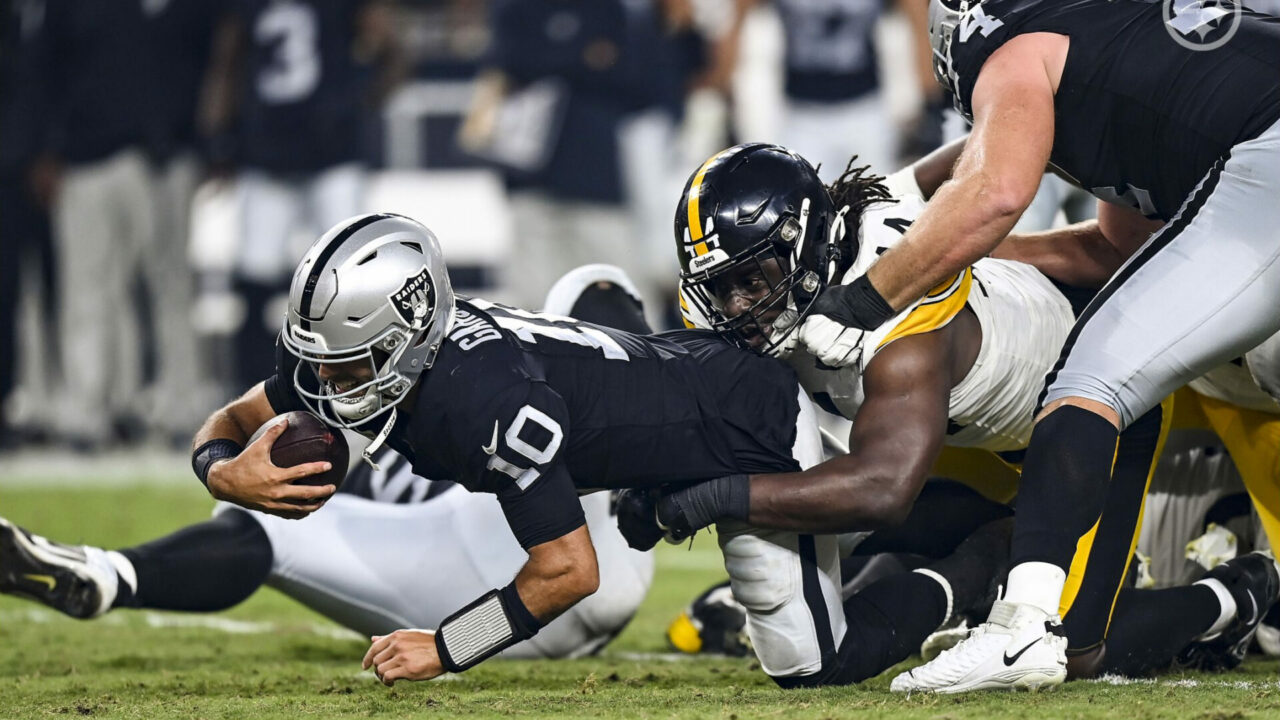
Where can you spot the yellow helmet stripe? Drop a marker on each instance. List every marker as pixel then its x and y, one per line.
pixel 695 189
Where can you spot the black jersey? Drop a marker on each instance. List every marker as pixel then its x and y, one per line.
pixel 537 408
pixel 304 91
pixel 1140 118
pixel 830 48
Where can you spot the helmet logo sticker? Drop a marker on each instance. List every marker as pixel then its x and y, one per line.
pixel 415 299
pixel 706 243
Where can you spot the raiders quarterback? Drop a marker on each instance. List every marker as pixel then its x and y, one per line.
pixel 343 562
pixel 759 237
pixel 1125 103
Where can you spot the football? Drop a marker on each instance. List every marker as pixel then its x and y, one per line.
pixel 308 439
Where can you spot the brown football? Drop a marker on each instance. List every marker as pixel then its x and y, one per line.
pixel 308 439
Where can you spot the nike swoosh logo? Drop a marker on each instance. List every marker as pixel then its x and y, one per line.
pixel 46 579
pixel 1011 660
pixel 492 447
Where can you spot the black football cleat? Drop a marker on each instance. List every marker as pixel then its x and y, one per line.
pixel 64 577
pixel 714 623
pixel 1254 584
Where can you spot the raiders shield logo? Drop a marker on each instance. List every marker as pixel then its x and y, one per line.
pixel 416 298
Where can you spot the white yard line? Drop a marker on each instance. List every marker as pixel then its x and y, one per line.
pixel 44 468
pixel 176 620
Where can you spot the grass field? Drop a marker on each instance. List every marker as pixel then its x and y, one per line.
pixel 271 658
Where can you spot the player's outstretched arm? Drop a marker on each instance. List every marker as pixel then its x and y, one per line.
pixel 895 439
pixel 246 476
pixel 558 574
pixel 1085 254
pixel 994 180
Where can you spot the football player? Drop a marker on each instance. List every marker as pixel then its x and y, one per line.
pixel 760 237
pixel 342 562
pixel 1172 123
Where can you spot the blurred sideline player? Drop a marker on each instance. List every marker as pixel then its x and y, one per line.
pixel 759 236
pixel 362 561
pixel 293 84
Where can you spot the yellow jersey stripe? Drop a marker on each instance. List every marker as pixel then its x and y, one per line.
pixel 937 308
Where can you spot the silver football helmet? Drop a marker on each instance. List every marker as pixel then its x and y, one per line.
pixel 373 289
pixel 944 16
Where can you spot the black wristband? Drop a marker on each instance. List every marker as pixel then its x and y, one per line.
pixel 207 454
pixel 492 623
pixel 857 305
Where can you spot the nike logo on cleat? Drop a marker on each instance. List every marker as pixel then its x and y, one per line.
pixel 1008 661
pixel 45 579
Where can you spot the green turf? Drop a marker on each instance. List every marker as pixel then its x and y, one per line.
pixel 286 662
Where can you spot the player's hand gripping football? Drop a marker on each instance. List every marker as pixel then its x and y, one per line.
pixel 252 481
pixel 404 655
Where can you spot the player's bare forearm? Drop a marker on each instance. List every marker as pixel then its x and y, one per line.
pixel 962 223
pixel 860 491
pixel 558 574
pixel 896 436
pixel 1078 255
pixel 994 180
pixel 238 419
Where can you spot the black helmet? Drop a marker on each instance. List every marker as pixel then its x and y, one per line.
pixel 743 206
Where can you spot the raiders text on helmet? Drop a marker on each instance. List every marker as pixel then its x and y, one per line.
pixel 373 289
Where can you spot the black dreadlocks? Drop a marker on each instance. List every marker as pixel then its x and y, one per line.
pixel 857 187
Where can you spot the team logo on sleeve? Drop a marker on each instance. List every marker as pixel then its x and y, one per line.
pixel 416 298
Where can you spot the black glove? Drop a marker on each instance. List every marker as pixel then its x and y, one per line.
pixel 856 305
pixel 637 518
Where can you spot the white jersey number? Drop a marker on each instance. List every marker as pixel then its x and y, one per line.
pixel 294 71
pixel 537 456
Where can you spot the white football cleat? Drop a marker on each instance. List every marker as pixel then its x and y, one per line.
pixel 1020 647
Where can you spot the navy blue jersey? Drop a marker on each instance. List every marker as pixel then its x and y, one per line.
pixel 830 48
pixel 1139 117
pixel 538 408
pixel 303 91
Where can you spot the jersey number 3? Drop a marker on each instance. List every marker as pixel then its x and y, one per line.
pixel 524 476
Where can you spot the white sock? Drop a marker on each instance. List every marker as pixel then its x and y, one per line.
pixel 1227 604
pixel 946 588
pixel 124 568
pixel 1038 584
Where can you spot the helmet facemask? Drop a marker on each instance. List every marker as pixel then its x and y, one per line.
pixel 776 308
pixel 350 408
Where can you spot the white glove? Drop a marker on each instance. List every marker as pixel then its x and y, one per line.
pixel 834 345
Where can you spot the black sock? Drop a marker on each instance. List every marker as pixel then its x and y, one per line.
pixel 971 569
pixel 1089 614
pixel 886 624
pixel 1064 482
pixel 205 567
pixel 1150 627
